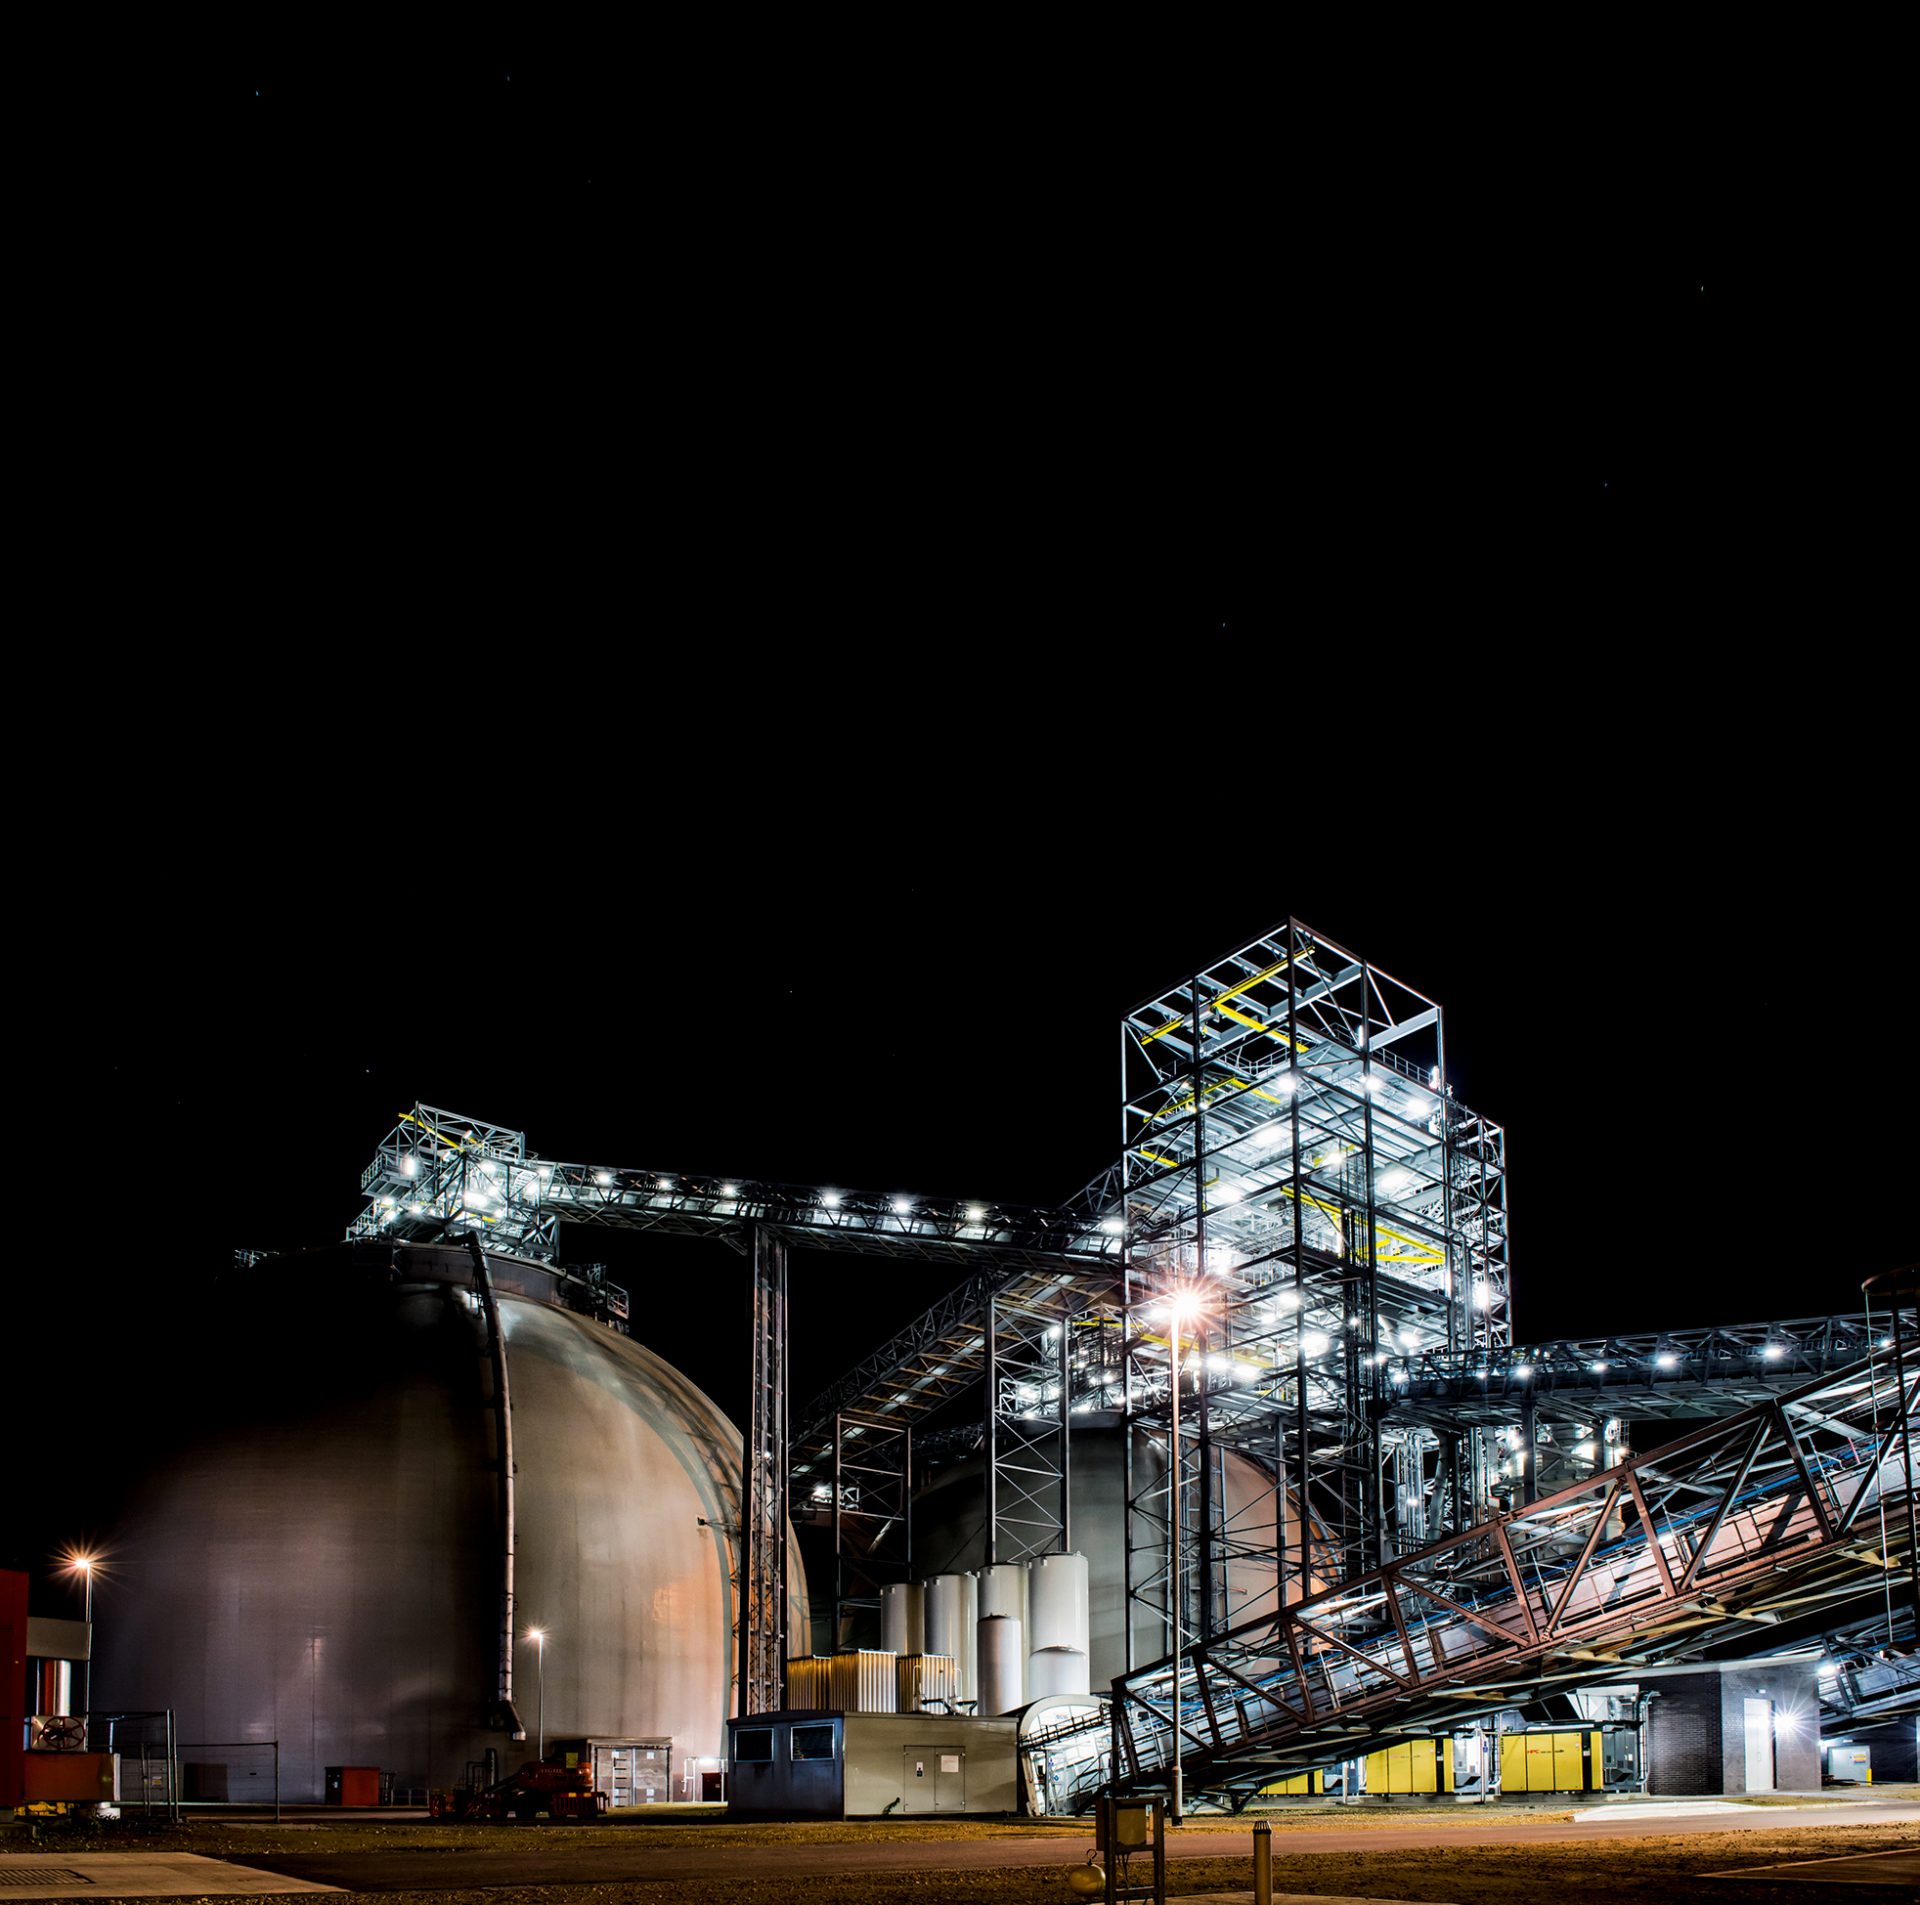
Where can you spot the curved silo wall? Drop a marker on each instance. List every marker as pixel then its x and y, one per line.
pixel 314 1555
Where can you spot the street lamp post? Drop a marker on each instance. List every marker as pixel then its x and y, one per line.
pixel 82 1564
pixel 1182 1305
pixel 538 1635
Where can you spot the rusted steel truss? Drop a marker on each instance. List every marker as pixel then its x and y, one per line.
pixel 1700 1530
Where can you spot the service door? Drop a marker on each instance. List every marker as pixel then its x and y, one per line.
pixel 1759 1746
pixel 933 1779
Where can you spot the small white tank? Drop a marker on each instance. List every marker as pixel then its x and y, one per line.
pixel 949 1631
pixel 1003 1590
pixel 902 1618
pixel 1057 1604
pixel 1002 1664
pixel 1056 1670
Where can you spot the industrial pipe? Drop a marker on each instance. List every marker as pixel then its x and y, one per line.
pixel 508 1716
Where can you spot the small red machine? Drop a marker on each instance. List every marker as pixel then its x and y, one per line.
pixel 539 1787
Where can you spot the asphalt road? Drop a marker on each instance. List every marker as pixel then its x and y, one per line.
pixel 549 1860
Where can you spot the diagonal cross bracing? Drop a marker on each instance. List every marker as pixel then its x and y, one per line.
pixel 1807 1491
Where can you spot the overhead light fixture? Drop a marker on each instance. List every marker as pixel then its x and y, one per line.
pixel 1665 1359
pixel 977 1213
pixel 1599 1369
pixel 1773 1352
pixel 831 1199
pixel 659 1183
pixel 902 1206
pixel 1523 1370
pixel 1409 1339
pixel 1113 1226
pixel 729 1190
pixel 1228 1193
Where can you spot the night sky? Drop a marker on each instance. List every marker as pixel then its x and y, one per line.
pixel 738 628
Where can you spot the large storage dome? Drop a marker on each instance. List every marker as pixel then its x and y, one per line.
pixel 314 1552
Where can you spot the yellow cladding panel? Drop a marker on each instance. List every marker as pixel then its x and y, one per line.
pixel 1423 1765
pixel 1446 1762
pixel 1539 1761
pixel 1568 1776
pixel 1301 1783
pixel 1513 1762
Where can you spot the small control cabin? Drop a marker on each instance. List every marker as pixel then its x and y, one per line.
pixel 870 1765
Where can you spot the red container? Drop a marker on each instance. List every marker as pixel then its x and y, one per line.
pixel 353 1785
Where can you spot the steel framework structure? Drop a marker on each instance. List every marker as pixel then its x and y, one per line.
pixel 1292 1150
pixel 1796 1510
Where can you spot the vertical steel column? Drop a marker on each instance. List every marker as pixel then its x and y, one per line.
pixel 1066 1422
pixel 992 1406
pixel 1199 1527
pixel 763 1484
pixel 1373 1507
pixel 1304 1545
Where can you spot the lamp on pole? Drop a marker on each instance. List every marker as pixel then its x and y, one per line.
pixel 538 1635
pixel 82 1564
pixel 1182 1306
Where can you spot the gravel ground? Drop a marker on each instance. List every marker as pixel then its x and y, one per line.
pixel 1412 1861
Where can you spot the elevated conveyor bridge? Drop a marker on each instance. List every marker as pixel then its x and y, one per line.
pixel 1792 1518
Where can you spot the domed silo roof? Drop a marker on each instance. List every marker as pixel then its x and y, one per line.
pixel 313 1549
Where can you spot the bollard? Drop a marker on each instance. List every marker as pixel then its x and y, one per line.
pixel 1262 1863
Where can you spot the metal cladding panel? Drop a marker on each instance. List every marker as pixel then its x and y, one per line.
pixel 876 1745
pixel 1002 1664
pixel 864 1681
pixel 903 1627
pixel 810 1684
pixel 318 1557
pixel 923 1678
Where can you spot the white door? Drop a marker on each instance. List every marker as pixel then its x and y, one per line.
pixel 1759 1746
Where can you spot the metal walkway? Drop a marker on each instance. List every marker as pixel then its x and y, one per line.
pixel 1800 1511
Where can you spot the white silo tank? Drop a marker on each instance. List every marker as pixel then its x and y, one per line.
pixel 903 1628
pixel 941 1625
pixel 1003 1590
pixel 1056 1670
pixel 1002 1664
pixel 1057 1603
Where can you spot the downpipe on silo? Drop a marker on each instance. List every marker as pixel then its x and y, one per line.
pixel 507 1714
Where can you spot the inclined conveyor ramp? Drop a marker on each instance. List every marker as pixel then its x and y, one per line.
pixel 1806 1499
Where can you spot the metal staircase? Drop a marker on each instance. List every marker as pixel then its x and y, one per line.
pixel 1793 1514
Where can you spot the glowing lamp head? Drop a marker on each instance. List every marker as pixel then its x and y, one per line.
pixel 1184 1305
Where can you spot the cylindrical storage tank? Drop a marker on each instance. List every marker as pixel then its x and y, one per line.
pixel 1002 1664
pixel 952 1611
pixel 903 1628
pixel 1003 1590
pixel 950 1515
pixel 1056 1670
pixel 315 1552
pixel 1057 1602
pixel 968 1659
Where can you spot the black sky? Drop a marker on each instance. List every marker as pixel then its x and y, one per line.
pixel 736 625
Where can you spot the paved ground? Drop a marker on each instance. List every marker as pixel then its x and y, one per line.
pixel 138 1875
pixel 551 1861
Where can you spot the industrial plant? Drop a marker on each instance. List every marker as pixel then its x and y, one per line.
pixel 1223 1478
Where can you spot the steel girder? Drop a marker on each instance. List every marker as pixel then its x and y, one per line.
pixel 1790 1512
